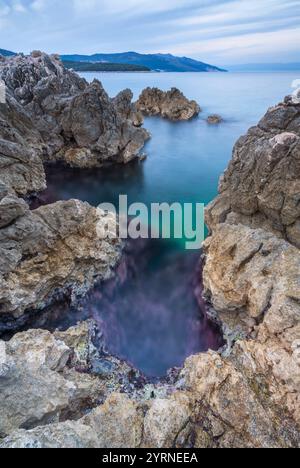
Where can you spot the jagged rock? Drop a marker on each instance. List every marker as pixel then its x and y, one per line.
pixel 50 252
pixel 33 390
pixel 261 187
pixel 118 423
pixel 252 271
pixel 44 380
pixel 214 119
pixel 217 406
pixel 21 167
pixel 171 105
pixel 127 109
pixel 165 420
pixel 55 389
pixel 253 279
pixel 231 410
pixel 11 207
pixel 65 116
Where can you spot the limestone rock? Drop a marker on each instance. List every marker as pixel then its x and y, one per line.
pixel 230 409
pixel 11 207
pixel 252 278
pixel 261 186
pixel 127 109
pixel 33 391
pixel 70 434
pixel 21 168
pixel 118 423
pixel 50 252
pixel 45 379
pixel 171 105
pixel 165 419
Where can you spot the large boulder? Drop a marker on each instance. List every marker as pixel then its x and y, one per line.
pixel 53 251
pixel 171 105
pixel 48 378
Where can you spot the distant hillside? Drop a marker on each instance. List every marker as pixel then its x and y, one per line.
pixel 159 62
pixel 104 67
pixel 265 67
pixel 6 53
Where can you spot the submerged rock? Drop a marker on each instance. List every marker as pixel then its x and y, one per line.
pixel 171 105
pixel 214 119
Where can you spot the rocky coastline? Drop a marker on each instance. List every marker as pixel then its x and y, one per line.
pixel 57 389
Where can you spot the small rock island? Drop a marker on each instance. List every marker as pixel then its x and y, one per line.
pixel 172 105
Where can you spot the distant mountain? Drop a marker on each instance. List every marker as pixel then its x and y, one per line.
pixel 6 53
pixel 104 67
pixel 265 67
pixel 158 62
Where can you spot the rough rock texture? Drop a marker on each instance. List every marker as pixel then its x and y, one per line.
pixel 127 109
pixel 261 187
pixel 212 404
pixel 44 380
pixel 57 390
pixel 50 252
pixel 21 167
pixel 53 114
pixel 252 266
pixel 171 105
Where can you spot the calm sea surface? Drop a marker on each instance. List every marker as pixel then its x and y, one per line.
pixel 153 320
pixel 185 160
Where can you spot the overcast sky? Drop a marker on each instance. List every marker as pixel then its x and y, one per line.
pixel 216 31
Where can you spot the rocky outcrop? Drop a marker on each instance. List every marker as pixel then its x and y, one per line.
pixel 171 105
pixel 48 253
pixel 49 379
pixel 127 109
pixel 56 115
pixel 52 114
pixel 261 187
pixel 252 266
pixel 21 166
pixel 211 404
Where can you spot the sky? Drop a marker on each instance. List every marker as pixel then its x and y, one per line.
pixel 220 32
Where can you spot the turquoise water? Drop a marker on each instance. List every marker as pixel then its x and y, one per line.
pixel 186 159
pixel 154 320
